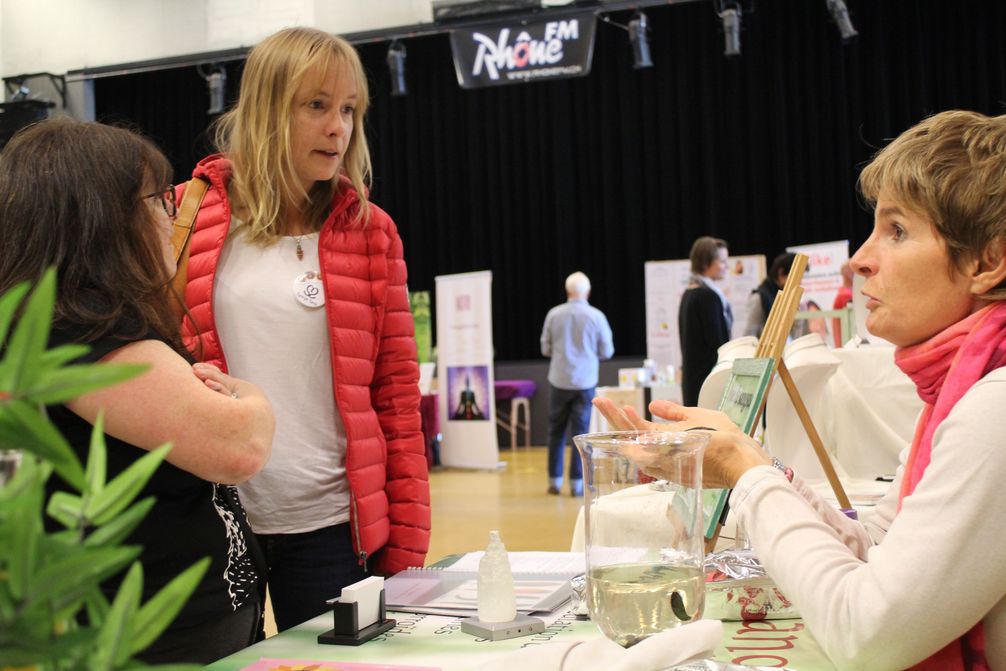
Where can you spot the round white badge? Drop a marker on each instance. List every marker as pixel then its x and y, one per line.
pixel 308 289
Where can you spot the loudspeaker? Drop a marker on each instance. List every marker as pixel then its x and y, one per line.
pixel 16 115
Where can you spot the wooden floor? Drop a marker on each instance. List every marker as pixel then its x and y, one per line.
pixel 468 504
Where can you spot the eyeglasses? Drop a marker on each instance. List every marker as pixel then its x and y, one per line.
pixel 167 198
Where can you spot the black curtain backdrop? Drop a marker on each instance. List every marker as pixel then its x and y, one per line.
pixel 605 172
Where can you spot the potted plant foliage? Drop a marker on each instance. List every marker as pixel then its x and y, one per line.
pixel 53 614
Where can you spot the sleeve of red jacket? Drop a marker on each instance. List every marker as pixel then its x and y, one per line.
pixel 395 395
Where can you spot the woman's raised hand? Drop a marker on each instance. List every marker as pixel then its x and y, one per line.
pixel 730 452
pixel 683 418
pixel 625 418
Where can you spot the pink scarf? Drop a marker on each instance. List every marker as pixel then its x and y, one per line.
pixel 943 369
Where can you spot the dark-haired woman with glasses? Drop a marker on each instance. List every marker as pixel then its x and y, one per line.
pixel 166 197
pixel 94 201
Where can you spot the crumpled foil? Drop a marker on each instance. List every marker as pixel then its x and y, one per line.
pixel 579 599
pixel 738 563
pixel 737 588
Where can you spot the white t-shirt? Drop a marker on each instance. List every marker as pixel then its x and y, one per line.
pixel 882 594
pixel 271 339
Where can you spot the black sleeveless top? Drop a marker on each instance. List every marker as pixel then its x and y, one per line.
pixel 191 519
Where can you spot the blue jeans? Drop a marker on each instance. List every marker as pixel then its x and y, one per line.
pixel 306 569
pixel 566 408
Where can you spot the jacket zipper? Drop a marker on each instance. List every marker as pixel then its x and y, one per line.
pixel 354 517
pixel 355 526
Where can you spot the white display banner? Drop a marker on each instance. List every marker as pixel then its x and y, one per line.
pixel 665 281
pixel 465 370
pixel 822 281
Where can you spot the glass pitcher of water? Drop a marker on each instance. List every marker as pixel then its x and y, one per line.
pixel 643 523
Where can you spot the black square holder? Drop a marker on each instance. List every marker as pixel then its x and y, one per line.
pixel 347 625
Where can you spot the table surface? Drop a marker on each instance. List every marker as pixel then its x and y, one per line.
pixel 431 640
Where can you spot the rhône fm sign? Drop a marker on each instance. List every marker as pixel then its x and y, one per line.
pixel 523 51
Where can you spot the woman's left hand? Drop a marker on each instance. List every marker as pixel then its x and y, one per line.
pixel 683 418
pixel 624 418
pixel 729 454
pixel 216 379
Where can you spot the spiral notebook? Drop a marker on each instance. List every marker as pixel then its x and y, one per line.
pixel 541 584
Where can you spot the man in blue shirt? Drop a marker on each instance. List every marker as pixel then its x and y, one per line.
pixel 576 336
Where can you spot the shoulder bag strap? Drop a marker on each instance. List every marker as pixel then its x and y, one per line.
pixel 185 222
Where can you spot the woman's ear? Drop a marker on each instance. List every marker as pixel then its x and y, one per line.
pixel 991 268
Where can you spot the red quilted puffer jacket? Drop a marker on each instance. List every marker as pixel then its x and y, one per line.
pixel 374 370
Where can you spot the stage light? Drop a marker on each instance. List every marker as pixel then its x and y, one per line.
pixel 216 86
pixel 396 68
pixel 730 15
pixel 638 30
pixel 22 91
pixel 840 13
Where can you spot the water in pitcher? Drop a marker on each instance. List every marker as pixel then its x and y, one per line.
pixel 632 601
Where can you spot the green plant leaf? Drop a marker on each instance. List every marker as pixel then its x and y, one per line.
pixel 60 385
pixel 22 648
pixel 23 652
pixel 63 354
pixel 160 611
pixel 67 509
pixel 97 458
pixel 56 543
pixel 114 641
pixel 97 607
pixel 121 491
pixel 30 337
pixel 22 427
pixel 29 473
pixel 71 577
pixel 116 530
pixel 8 306
pixel 72 647
pixel 24 527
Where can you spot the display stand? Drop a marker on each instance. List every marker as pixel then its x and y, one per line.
pixel 770 350
pixel 347 624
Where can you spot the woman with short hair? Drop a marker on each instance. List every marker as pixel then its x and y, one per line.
pixel 921 582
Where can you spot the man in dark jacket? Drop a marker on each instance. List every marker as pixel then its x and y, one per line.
pixel 704 318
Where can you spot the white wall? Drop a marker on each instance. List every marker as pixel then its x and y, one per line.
pixel 60 35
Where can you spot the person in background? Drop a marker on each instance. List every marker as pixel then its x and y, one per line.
pixel 575 336
pixel 762 299
pixel 108 234
pixel 842 298
pixel 297 282
pixel 920 583
pixel 704 317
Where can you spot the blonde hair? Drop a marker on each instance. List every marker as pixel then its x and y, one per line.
pixel 256 133
pixel 950 167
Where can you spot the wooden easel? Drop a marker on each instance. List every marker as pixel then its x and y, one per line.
pixel 771 346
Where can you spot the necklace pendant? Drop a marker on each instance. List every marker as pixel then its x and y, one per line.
pixel 300 252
